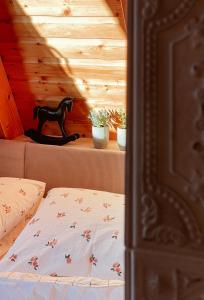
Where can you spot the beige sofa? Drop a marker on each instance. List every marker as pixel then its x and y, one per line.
pixel 64 166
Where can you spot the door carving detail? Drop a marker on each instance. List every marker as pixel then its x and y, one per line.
pixel 176 285
pixel 196 29
pixel 157 197
pixel 155 230
pixel 189 286
pixel 150 8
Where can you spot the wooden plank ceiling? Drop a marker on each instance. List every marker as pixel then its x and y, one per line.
pixel 57 48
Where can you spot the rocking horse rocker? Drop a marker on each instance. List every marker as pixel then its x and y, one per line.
pixel 46 113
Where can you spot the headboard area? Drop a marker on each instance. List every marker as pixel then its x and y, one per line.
pixel 64 166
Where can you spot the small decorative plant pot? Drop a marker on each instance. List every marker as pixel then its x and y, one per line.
pixel 100 137
pixel 121 138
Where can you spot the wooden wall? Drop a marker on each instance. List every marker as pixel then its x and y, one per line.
pixel 51 49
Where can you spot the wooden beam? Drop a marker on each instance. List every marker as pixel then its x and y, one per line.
pixel 10 122
pixel 123 4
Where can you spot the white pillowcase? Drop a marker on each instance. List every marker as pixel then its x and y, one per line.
pixel 17 197
pixel 75 232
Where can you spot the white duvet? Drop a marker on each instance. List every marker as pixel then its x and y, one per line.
pixel 76 233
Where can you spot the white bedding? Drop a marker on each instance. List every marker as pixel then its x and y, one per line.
pixel 21 286
pixel 76 236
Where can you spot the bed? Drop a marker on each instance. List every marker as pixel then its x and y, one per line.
pixel 70 246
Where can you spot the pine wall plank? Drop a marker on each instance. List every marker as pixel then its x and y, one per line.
pixel 64 48
pixel 64 27
pixel 40 71
pixel 75 8
pixel 45 89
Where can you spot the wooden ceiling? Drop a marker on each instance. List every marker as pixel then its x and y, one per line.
pixel 52 49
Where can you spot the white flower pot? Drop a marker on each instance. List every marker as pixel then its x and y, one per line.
pixel 121 138
pixel 100 137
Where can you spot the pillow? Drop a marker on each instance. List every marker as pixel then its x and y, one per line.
pixel 75 232
pixel 7 241
pixel 17 197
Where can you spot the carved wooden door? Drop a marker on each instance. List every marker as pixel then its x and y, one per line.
pixel 165 194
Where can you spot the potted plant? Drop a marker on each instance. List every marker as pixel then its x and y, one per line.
pixel 119 118
pixel 100 119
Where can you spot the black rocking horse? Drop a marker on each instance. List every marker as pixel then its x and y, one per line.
pixel 45 113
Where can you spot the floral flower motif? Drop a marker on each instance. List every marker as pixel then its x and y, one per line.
pixel 106 205
pixel 34 262
pixel 73 225
pixel 37 233
pixel 61 214
pixel 108 218
pixel 86 210
pixel 65 195
pixel 53 274
pixel 116 268
pixel 87 234
pixel 13 257
pixel 79 200
pixel 7 208
pixel 93 260
pixel 22 212
pixel 115 234
pixel 52 203
pixel 28 217
pixel 22 192
pixel 68 258
pixel 52 243
pixel 33 221
pixel 117 195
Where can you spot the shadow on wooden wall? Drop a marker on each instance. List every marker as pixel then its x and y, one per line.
pixel 121 13
pixel 48 54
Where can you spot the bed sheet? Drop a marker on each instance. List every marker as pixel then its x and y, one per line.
pixel 22 286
